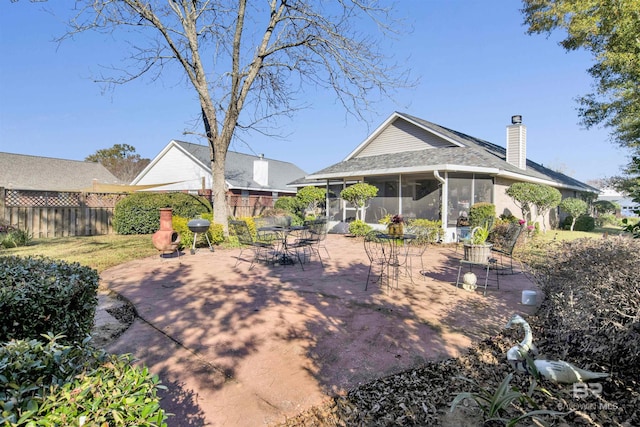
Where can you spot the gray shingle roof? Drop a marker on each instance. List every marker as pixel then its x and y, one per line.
pixel 24 172
pixel 239 169
pixel 473 154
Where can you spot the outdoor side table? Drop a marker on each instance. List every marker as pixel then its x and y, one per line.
pixel 398 255
pixel 491 263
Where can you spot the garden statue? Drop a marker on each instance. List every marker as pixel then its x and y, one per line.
pixel 554 370
pixel 469 281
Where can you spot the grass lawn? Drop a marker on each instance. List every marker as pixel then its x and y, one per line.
pixel 561 235
pixel 99 252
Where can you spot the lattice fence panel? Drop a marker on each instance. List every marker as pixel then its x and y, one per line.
pixel 28 198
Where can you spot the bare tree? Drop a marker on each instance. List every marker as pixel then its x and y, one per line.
pixel 247 61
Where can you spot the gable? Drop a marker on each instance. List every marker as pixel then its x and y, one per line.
pixel 185 166
pixel 402 136
pixel 177 168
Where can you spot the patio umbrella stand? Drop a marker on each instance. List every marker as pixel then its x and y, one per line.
pixel 199 226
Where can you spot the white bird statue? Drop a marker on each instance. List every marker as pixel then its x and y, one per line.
pixel 554 370
pixel 526 346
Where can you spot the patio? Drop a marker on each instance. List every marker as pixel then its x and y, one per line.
pixel 252 347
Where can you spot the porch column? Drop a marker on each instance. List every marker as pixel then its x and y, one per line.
pixel 444 201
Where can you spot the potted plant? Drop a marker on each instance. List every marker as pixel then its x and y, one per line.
pixel 396 226
pixel 476 248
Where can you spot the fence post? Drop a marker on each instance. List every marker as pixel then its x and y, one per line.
pixel 3 196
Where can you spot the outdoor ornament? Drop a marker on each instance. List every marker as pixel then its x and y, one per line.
pixel 554 370
pixel 469 281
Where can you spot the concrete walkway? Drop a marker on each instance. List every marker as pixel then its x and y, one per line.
pixel 239 347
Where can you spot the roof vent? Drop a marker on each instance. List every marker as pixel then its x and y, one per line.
pixel 516 120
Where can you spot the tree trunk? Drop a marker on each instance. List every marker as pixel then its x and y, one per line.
pixel 218 160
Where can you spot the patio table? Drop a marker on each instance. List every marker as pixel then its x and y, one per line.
pixel 398 252
pixel 285 253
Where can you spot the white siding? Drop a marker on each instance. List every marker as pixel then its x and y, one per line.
pixel 176 166
pixel 517 146
pixel 401 136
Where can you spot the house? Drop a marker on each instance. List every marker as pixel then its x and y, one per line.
pixel 628 207
pixel 424 170
pixel 183 166
pixel 24 172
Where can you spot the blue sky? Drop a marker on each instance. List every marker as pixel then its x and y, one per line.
pixel 476 67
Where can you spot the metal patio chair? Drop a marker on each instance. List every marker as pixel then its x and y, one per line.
pixel 378 252
pixel 504 247
pixel 263 247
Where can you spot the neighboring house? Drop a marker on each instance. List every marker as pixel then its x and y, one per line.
pixel 627 206
pixel 424 170
pixel 23 172
pixel 183 166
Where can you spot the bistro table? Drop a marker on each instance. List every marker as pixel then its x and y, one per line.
pixel 286 252
pixel 398 252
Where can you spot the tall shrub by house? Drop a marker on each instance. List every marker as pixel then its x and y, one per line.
pixel 482 214
pixel 359 195
pixel 574 208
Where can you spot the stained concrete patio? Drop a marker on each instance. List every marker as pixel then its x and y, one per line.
pixel 240 347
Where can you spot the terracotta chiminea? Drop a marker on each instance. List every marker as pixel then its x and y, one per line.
pixel 166 239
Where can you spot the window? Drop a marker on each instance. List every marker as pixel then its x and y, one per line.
pixel 464 192
pixel 386 202
pixel 420 197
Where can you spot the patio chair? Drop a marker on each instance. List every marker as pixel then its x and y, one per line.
pixel 505 245
pixel 314 237
pixel 416 249
pixel 378 253
pixel 263 247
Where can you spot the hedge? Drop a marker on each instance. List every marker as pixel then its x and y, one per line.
pixel 52 384
pixel 41 295
pixel 139 213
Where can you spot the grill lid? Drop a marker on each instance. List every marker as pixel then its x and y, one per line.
pixel 198 225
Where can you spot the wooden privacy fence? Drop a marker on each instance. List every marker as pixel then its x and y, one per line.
pixel 240 206
pixel 58 213
pixel 68 213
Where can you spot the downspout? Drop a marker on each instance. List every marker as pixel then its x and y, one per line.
pixel 444 202
pixel 327 213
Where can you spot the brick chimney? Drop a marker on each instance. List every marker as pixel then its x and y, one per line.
pixel 517 143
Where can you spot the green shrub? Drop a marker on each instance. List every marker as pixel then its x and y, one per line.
pixel 482 214
pixel 359 227
pixel 139 213
pixel 607 219
pixel 631 225
pixel 40 295
pixel 583 223
pixel 12 237
pixel 48 383
pixel 426 229
pixel 291 206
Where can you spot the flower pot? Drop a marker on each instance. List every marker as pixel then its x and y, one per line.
pixel 479 254
pixel 395 229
